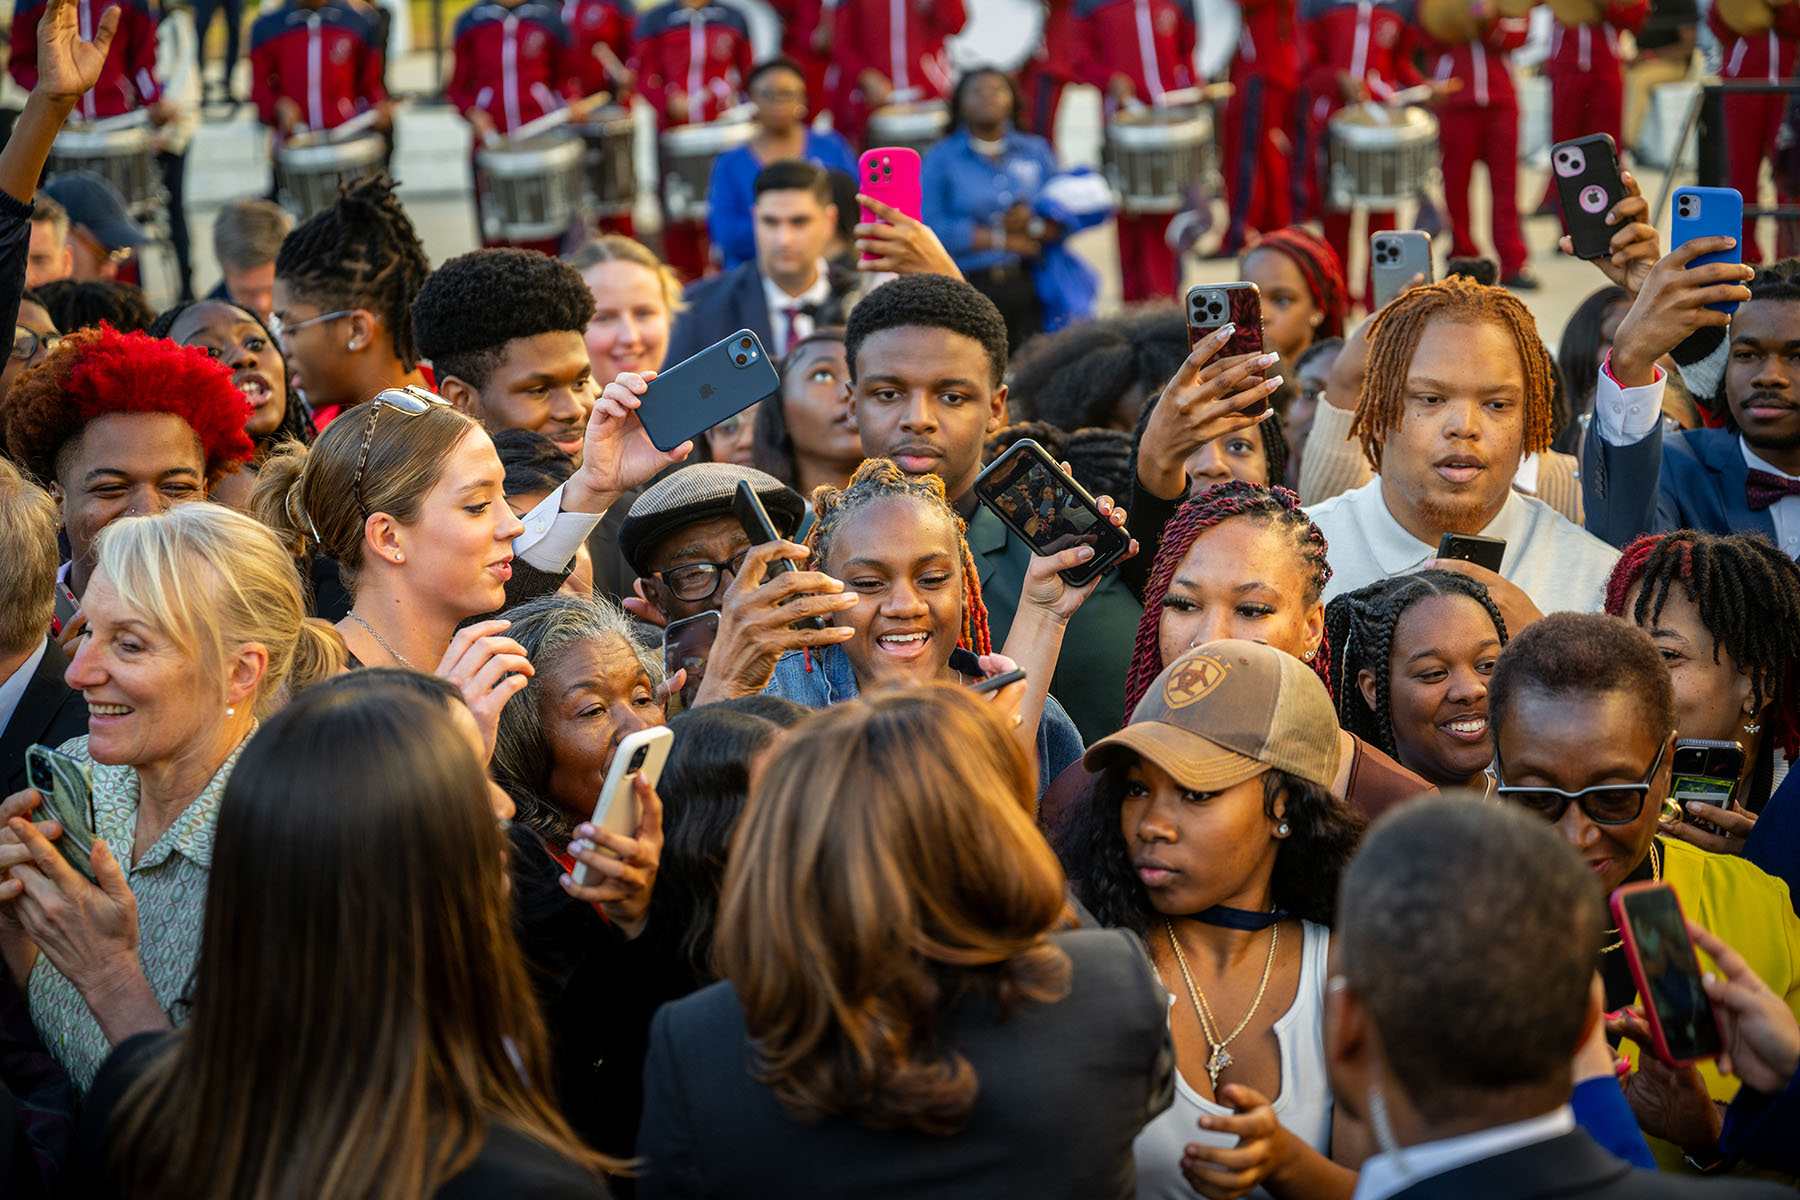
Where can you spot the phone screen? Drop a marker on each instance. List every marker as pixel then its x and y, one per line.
pixel 1047 514
pixel 1671 974
pixel 687 644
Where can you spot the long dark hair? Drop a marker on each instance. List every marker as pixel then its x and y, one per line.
pixel 1323 833
pixel 1578 358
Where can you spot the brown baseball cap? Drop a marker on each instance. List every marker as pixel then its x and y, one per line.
pixel 1228 711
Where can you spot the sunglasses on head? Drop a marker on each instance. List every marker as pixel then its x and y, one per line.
pixel 408 401
pixel 1604 803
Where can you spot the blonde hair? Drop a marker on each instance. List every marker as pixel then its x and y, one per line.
pixel 213 580
pixel 28 548
pixel 613 247
pixel 871 886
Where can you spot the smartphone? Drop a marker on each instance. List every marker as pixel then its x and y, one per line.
pixel 891 175
pixel 640 753
pixel 687 644
pixel 1395 256
pixel 691 397
pixel 1588 185
pixel 1036 499
pixel 1709 212
pixel 755 519
pixel 67 788
pixel 994 683
pixel 1473 548
pixel 1683 1027
pixel 1211 305
pixel 1706 771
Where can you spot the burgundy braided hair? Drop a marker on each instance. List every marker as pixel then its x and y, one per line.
pixel 1233 498
pixel 1319 266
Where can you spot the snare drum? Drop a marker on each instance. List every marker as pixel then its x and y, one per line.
pixel 687 157
pixel 531 190
pixel 1152 156
pixel 122 156
pixel 917 126
pixel 609 163
pixel 309 173
pixel 1380 159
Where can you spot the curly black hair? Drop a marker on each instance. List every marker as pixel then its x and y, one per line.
pixel 929 302
pixel 531 462
pixel 1359 628
pixel 296 419
pixel 1323 836
pixel 84 304
pixel 473 305
pixel 1077 377
pixel 362 252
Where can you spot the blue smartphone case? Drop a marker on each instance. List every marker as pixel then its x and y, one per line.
pixel 721 381
pixel 1709 212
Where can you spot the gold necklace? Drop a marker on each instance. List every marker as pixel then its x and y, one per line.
pixel 1220 1058
pixel 1655 877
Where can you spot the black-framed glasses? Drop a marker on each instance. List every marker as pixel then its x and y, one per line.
pixel 699 580
pixel 1604 803
pixel 408 401
pixel 26 342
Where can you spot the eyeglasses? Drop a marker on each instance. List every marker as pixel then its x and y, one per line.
pixel 281 329
pixel 1604 803
pixel 777 95
pixel 408 402
pixel 699 580
pixel 26 342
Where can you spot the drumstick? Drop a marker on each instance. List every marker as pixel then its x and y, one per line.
pixel 551 120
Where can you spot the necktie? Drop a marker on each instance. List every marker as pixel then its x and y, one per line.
pixel 1763 488
pixel 793 311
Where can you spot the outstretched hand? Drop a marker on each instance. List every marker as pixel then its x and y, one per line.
pixel 899 244
pixel 69 65
pixel 616 452
pixel 1634 247
pixel 1673 304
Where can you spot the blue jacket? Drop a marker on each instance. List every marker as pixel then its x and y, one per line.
pixel 723 304
pixel 831 679
pixel 1689 480
pixel 964 191
pixel 1774 841
pixel 731 193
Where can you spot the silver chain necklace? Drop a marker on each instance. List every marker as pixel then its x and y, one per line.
pixel 398 657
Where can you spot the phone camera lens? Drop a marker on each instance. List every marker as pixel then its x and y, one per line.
pixel 637 760
pixel 744 342
pixel 742 359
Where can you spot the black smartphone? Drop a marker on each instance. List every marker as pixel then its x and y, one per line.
pixel 721 381
pixel 687 644
pixel 1707 771
pixel 1475 548
pixel 994 683
pixel 1036 499
pixel 1588 184
pixel 1683 1026
pixel 1210 306
pixel 755 519
pixel 1395 256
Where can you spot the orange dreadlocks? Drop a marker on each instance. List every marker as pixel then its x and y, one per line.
pixel 882 479
pixel 1394 339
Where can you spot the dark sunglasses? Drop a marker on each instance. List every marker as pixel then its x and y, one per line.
pixel 1604 803
pixel 699 580
pixel 408 401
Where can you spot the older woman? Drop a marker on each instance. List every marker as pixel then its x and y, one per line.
pixel 195 625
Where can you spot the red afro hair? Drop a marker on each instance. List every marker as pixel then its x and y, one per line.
pixel 100 371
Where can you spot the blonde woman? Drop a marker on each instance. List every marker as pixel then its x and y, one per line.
pixel 196 628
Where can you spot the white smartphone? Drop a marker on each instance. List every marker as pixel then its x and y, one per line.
pixel 616 811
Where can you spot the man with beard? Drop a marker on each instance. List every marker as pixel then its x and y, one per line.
pixel 1742 367
pixel 1458 392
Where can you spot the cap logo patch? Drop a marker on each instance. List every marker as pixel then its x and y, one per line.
pixel 1192 681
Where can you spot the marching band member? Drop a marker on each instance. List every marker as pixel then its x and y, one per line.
pixel 1257 145
pixel 600 31
pixel 1587 82
pixel 806 39
pixel 889 50
pixel 1759 40
pixel 128 79
pixel 1140 50
pixel 691 59
pixel 1352 51
pixel 314 64
pixel 1478 119
pixel 1052 68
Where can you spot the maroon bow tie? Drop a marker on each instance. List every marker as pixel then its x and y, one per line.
pixel 1763 488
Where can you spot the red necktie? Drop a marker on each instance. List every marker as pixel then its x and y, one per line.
pixel 793 312
pixel 1763 488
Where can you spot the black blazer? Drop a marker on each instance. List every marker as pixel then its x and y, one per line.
pixel 1574 1165
pixel 50 712
pixel 1064 1088
pixel 720 306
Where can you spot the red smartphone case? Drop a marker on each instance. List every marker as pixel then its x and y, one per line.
pixel 1634 959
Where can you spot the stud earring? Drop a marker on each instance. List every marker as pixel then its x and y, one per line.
pixel 1308 656
pixel 1281 830
pixel 399 557
pixel 230 711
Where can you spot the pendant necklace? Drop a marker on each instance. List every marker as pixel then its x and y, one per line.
pixel 1221 1057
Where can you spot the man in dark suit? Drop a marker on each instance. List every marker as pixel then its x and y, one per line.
pixel 1743 478
pixel 1482 910
pixel 36 706
pixel 789 290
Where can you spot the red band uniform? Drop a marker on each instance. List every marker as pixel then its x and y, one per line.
pixel 902 42
pixel 326 59
pixel 806 38
pixel 1587 82
pixel 128 77
pixel 1051 69
pixel 1150 45
pixel 600 39
pixel 1751 122
pixel 691 61
pixel 1256 148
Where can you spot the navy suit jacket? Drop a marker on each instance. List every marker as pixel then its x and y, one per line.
pixel 1574 1165
pixel 50 712
pixel 1690 480
pixel 732 300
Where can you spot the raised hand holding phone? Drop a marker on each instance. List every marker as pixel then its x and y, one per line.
pixel 757 620
pixel 890 174
pixel 1040 502
pixel 618 870
pixel 1213 394
pixel 1680 295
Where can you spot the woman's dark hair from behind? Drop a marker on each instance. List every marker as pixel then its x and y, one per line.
pixel 704 786
pixel 362 1016
pixel 1324 834
pixel 86 303
pixel 1088 374
pixel 1578 357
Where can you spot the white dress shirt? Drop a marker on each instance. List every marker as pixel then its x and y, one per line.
pixel 1556 562
pixel 779 302
pixel 13 689
pixel 1387 1175
pixel 551 535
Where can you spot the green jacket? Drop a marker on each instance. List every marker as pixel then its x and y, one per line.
pixel 1096 653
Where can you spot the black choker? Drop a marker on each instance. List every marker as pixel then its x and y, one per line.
pixel 1238 918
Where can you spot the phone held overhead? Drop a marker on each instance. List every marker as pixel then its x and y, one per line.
pixel 1036 499
pixel 720 381
pixel 1212 307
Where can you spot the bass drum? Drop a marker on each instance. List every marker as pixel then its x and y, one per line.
pixel 1153 156
pixel 918 126
pixel 531 190
pixel 308 174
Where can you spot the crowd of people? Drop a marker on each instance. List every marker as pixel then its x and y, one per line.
pixel 1273 860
